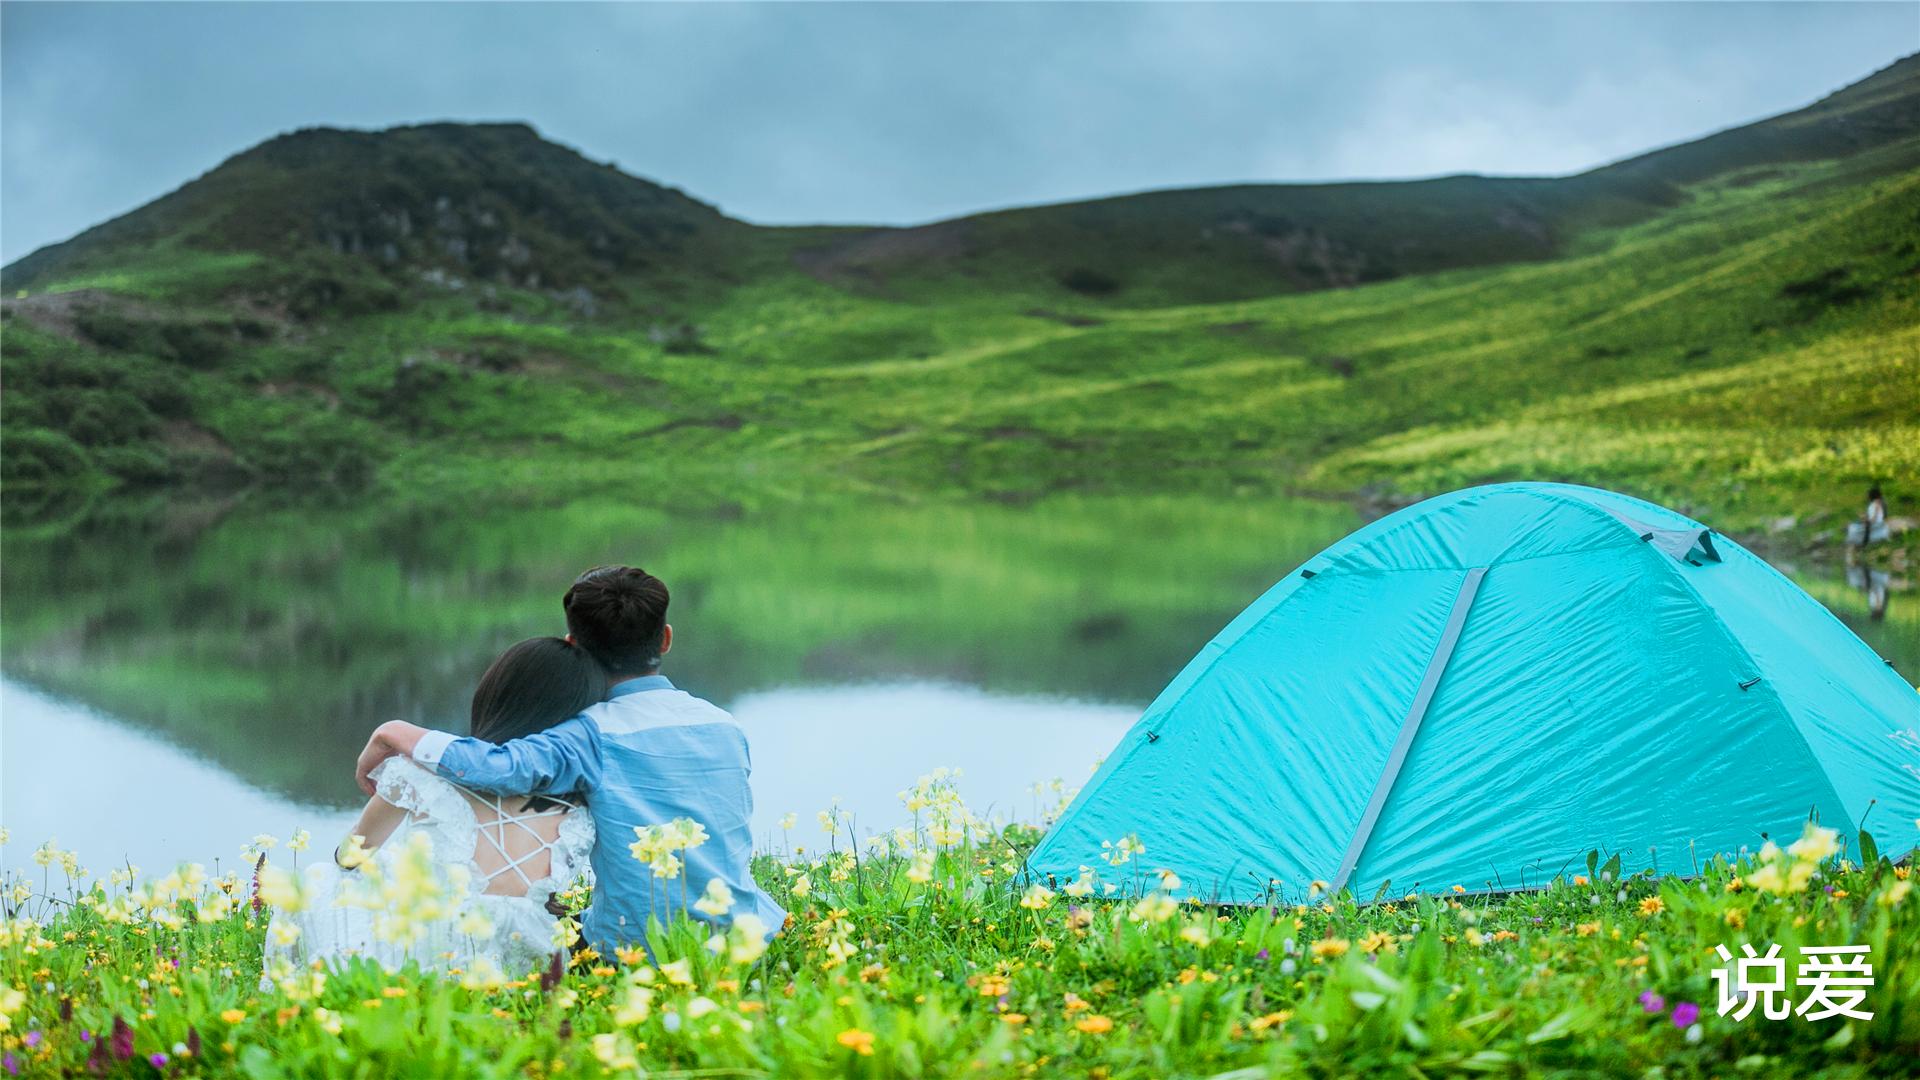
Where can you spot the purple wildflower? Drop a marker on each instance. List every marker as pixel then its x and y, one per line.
pixel 1261 956
pixel 30 1040
pixel 85 1035
pixel 122 1039
pixel 1652 1002
pixel 11 1065
pixel 158 1061
pixel 1685 1013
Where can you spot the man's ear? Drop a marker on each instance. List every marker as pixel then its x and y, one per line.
pixel 666 638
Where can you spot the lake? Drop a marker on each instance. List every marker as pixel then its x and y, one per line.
pixel 179 676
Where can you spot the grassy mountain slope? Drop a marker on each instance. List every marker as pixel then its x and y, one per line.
pixel 1727 325
pixel 1222 243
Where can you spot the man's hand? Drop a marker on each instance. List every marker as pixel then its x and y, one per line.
pixel 395 738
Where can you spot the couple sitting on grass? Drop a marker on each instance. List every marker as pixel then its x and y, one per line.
pixel 578 745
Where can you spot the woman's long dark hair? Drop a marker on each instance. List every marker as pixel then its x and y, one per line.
pixel 533 686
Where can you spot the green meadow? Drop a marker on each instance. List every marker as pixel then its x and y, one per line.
pixel 926 955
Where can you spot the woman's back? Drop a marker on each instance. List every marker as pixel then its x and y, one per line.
pixel 515 840
pixel 497 860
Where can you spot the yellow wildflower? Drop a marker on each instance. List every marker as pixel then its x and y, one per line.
pixel 921 871
pixel 1081 886
pixel 1330 947
pixel 1378 941
pixel 1038 896
pixel 353 853
pixel 1155 908
pixel 636 1006
pixel 328 1022
pixel 1815 844
pixel 716 901
pixel 1118 853
pixel 860 1042
pixel 614 1052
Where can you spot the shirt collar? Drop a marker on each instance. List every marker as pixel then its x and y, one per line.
pixel 636 685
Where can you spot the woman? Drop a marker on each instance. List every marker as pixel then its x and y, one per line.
pixel 1876 515
pixel 449 878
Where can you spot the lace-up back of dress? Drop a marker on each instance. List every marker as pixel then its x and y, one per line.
pixel 514 846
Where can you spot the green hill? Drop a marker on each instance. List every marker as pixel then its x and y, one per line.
pixel 1732 325
pixel 492 202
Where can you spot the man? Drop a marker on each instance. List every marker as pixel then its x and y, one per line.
pixel 646 756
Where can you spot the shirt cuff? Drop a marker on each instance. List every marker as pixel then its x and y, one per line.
pixel 431 745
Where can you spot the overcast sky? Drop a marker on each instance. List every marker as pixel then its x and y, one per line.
pixel 897 114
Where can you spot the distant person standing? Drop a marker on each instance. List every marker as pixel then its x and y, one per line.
pixel 1872 524
pixel 1876 515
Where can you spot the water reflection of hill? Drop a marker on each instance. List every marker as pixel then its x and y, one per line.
pixel 272 640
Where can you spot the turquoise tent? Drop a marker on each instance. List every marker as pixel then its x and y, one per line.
pixel 1481 688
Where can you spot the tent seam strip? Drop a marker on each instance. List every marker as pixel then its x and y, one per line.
pixel 1443 651
pixel 1719 627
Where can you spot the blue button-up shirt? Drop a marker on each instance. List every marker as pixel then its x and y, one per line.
pixel 648 754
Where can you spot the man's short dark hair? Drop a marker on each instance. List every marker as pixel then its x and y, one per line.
pixel 618 614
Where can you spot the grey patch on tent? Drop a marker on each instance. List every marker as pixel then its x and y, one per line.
pixel 1690 546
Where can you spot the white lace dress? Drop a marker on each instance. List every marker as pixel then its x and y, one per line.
pixel 470 897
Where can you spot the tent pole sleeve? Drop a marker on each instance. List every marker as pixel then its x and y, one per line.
pixel 1410 727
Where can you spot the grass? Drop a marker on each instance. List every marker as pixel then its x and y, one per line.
pixel 158 275
pixel 925 953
